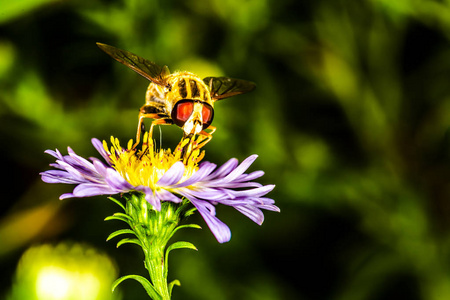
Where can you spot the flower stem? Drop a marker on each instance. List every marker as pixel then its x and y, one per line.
pixel 153 230
pixel 156 267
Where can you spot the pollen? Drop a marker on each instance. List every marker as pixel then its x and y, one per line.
pixel 147 165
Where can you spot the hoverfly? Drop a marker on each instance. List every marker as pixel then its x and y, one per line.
pixel 180 98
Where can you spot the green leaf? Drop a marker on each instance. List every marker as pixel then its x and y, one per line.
pixel 121 217
pixel 190 212
pixel 117 218
pixel 186 209
pixel 184 226
pixel 143 281
pixel 119 232
pixel 180 245
pixel 172 284
pixel 196 226
pixel 117 202
pixel 176 245
pixel 129 241
pixel 124 216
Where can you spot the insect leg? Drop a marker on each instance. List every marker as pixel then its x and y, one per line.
pixel 160 121
pixel 206 137
pixel 150 111
pixel 142 116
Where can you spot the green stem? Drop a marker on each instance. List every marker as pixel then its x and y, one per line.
pixel 154 262
pixel 153 230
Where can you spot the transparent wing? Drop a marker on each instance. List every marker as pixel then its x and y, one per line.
pixel 224 87
pixel 140 65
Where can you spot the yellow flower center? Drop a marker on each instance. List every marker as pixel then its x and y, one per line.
pixel 147 165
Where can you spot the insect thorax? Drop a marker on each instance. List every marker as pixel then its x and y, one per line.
pixel 181 85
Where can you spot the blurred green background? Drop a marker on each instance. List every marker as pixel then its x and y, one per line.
pixel 350 119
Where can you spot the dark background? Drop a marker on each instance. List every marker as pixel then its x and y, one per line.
pixel 350 120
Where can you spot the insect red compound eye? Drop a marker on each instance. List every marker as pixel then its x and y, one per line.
pixel 207 115
pixel 182 111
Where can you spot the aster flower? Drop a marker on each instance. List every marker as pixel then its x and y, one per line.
pixel 166 176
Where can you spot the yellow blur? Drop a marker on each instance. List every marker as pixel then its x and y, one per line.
pixel 64 272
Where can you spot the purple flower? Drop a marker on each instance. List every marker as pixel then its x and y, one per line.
pixel 163 177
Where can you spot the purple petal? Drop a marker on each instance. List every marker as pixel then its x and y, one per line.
pixel 57 176
pixel 204 170
pixel 270 207
pixel 209 194
pixel 150 197
pixel 235 185
pixel 100 168
pixel 79 161
pixel 253 213
pixel 173 175
pixel 257 192
pixel 241 168
pixel 53 153
pixel 165 195
pixel 217 227
pixel 99 147
pixel 237 202
pixel 251 176
pixel 224 169
pixel 65 196
pixel 92 189
pixel 116 181
pixel 153 201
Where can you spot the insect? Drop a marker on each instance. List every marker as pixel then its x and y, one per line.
pixel 180 98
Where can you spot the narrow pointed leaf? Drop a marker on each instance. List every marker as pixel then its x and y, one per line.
pixel 190 212
pixel 184 226
pixel 109 218
pixel 120 217
pixel 195 226
pixel 181 245
pixel 172 284
pixel 119 232
pixel 176 245
pixel 143 281
pixel 129 241
pixel 117 202
pixel 123 216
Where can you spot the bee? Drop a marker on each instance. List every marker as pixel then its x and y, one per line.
pixel 180 98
